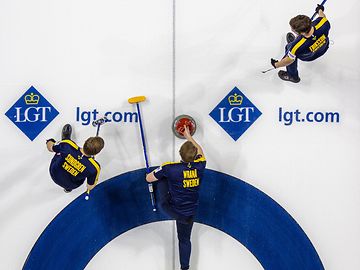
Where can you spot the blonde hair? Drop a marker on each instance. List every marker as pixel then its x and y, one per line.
pixel 188 151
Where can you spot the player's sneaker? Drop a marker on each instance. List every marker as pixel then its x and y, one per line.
pixel 290 37
pixel 285 76
pixel 66 132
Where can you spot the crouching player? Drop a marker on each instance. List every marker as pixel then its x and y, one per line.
pixel 71 165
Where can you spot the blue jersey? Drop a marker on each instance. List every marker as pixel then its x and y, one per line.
pixel 69 167
pixel 310 48
pixel 184 180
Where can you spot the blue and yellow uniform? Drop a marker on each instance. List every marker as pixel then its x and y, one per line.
pixel 183 180
pixel 311 48
pixel 178 187
pixel 69 167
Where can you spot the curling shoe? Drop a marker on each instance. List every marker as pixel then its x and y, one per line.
pixel 66 132
pixel 290 37
pixel 67 190
pixel 285 76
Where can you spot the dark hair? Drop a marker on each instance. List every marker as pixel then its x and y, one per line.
pixel 93 145
pixel 188 151
pixel 301 24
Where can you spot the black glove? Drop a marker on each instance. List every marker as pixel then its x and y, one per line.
pixel 50 140
pixel 273 61
pixel 319 7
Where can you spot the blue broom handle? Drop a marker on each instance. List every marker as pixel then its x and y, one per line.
pixel 322 3
pixel 150 186
pixel 143 138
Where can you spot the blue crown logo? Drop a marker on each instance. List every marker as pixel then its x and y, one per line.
pixel 235 113
pixel 31 120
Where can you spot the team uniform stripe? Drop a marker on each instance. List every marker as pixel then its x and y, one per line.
pixel 297 46
pixel 200 159
pixel 323 20
pixel 169 163
pixel 71 143
pixel 97 167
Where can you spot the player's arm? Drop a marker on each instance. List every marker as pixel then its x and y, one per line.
pixel 90 187
pixel 49 144
pixel 157 174
pixel 320 11
pixel 188 136
pixel 91 182
pixel 321 14
pixel 93 179
pixel 283 62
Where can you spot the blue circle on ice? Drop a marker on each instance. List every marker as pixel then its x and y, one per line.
pixel 122 203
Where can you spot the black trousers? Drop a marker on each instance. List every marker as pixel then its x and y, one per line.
pixel 183 224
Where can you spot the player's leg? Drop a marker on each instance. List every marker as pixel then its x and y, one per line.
pixel 162 193
pixel 290 37
pixel 60 177
pixel 163 199
pixel 66 132
pixel 184 235
pixel 291 74
pixel 67 188
pixel 163 196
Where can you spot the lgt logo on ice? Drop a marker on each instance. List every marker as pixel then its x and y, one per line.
pixel 31 113
pixel 235 113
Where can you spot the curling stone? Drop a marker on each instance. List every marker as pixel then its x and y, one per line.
pixel 180 122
